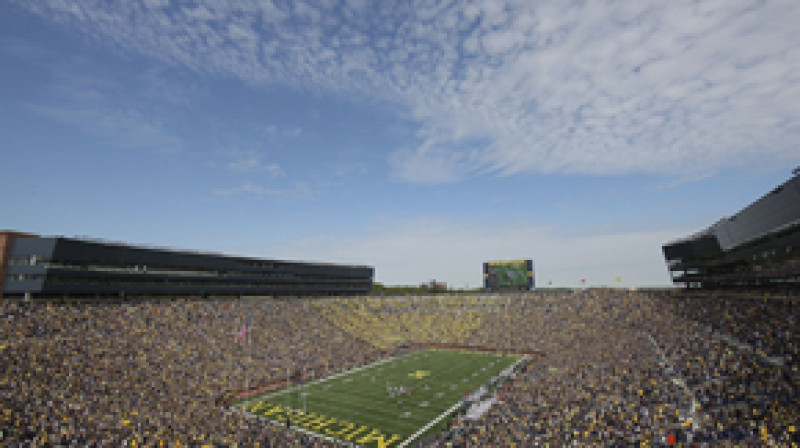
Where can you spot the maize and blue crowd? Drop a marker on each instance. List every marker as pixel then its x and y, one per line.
pixel 615 368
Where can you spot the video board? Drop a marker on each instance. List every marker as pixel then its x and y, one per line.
pixel 515 275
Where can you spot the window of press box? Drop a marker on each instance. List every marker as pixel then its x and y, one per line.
pixel 26 260
pixel 22 277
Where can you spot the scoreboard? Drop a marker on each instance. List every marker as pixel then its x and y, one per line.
pixel 516 275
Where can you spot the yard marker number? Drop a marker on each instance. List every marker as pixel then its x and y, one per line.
pixel 343 430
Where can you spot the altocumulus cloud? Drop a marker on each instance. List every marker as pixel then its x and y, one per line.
pixel 677 87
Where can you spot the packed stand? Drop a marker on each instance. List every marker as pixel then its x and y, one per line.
pixel 625 369
pixel 766 322
pixel 742 394
pixel 389 322
pixel 617 368
pixel 148 373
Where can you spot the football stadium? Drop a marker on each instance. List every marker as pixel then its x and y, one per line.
pixel 588 367
pixel 105 344
pixel 399 224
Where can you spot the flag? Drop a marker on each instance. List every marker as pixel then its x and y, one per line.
pixel 243 332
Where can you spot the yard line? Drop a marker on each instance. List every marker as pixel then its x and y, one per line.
pixel 430 425
pixel 318 381
pixel 374 409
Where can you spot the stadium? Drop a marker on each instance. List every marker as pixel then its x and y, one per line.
pixel 704 364
pixel 399 224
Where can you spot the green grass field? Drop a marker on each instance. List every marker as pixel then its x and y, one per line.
pixel 363 407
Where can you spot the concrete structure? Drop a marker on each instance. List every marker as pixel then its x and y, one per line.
pixel 758 247
pixel 34 266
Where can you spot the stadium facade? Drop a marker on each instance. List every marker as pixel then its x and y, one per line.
pixel 34 266
pixel 758 247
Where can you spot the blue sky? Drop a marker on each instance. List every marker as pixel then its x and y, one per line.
pixel 421 138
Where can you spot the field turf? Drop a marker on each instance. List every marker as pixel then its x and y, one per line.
pixel 385 403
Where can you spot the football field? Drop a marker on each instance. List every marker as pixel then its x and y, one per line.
pixel 384 404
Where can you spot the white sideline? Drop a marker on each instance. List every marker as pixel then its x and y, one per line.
pixel 446 413
pixel 244 404
pixel 405 443
pixel 430 424
pixel 317 381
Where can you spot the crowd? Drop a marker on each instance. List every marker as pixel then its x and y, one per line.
pixel 617 368
pixel 765 322
pixel 389 322
pixel 148 373
pixel 740 390
pixel 627 369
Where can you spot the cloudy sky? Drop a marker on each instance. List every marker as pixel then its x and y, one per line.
pixel 419 137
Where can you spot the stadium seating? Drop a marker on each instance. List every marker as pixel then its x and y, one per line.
pixel 393 321
pixel 150 372
pixel 619 367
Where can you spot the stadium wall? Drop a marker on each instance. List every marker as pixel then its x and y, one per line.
pixel 757 247
pixel 37 266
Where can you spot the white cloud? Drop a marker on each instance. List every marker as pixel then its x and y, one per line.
pixel 274 169
pixel 156 3
pixel 293 132
pixel 680 87
pixel 199 13
pixel 252 162
pixel 251 189
pixel 97 104
pixel 274 130
pixel 122 128
pixel 412 252
pixel 428 166
pixel 296 190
